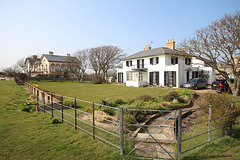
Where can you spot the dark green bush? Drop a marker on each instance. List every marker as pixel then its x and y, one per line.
pixel 134 116
pixel 107 110
pixel 119 102
pixel 107 102
pixel 26 109
pixel 56 120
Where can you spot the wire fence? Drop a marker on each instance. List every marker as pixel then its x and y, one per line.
pixel 213 123
pixel 139 132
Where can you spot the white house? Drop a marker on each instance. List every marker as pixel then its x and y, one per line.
pixel 162 67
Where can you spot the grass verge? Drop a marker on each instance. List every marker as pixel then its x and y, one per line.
pixel 31 135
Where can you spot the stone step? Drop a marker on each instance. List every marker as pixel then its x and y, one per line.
pixel 160 137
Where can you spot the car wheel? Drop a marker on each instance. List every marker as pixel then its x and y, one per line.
pixel 196 87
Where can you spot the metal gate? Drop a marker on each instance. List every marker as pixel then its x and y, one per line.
pixel 150 133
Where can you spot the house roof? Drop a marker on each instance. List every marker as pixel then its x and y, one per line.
pixel 153 52
pixel 32 61
pixel 57 58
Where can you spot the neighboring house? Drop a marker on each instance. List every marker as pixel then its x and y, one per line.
pixel 50 63
pixel 31 65
pixel 223 66
pixel 162 67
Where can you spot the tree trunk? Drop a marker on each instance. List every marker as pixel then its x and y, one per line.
pixel 81 77
pixel 236 93
pixel 235 86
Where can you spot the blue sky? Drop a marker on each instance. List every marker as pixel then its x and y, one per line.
pixel 30 27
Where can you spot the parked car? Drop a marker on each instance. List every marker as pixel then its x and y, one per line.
pixel 196 83
pixel 221 85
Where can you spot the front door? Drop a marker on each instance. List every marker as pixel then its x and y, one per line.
pixel 187 76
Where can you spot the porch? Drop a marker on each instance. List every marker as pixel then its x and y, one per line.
pixel 136 78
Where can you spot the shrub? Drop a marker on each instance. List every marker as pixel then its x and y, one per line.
pixel 107 102
pixel 219 110
pixel 68 102
pixel 97 80
pixel 145 98
pixel 134 116
pixel 26 108
pixel 171 95
pixel 107 110
pixel 119 102
pixel 55 121
pixel 20 77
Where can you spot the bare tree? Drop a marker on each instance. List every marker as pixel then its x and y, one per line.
pixel 74 67
pixel 9 71
pixel 16 68
pixel 96 59
pixel 82 56
pixel 21 65
pixel 112 56
pixel 104 58
pixel 219 41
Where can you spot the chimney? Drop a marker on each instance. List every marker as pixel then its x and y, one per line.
pixel 34 56
pixel 170 44
pixel 68 54
pixel 147 47
pixel 50 52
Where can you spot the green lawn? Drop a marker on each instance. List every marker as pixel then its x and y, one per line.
pixel 32 136
pixel 226 148
pixel 96 92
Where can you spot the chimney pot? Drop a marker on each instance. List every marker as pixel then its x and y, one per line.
pixel 68 54
pixel 50 52
pixel 147 47
pixel 170 44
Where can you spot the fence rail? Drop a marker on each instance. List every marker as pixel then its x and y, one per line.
pixel 117 134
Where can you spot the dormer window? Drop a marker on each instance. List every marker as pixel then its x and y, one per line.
pixel 174 60
pixel 154 61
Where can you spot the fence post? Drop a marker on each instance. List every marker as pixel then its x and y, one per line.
pixel 121 131
pixel 93 112
pixel 209 123
pixel 44 102
pixel 231 122
pixel 179 133
pixel 52 103
pixel 75 107
pixel 62 106
pixel 37 100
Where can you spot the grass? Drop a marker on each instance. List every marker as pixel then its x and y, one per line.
pixel 226 148
pixel 32 135
pixel 96 92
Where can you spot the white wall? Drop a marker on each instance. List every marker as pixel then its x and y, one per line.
pixel 164 64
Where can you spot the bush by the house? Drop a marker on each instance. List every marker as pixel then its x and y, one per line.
pixel 171 95
pixel 97 80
